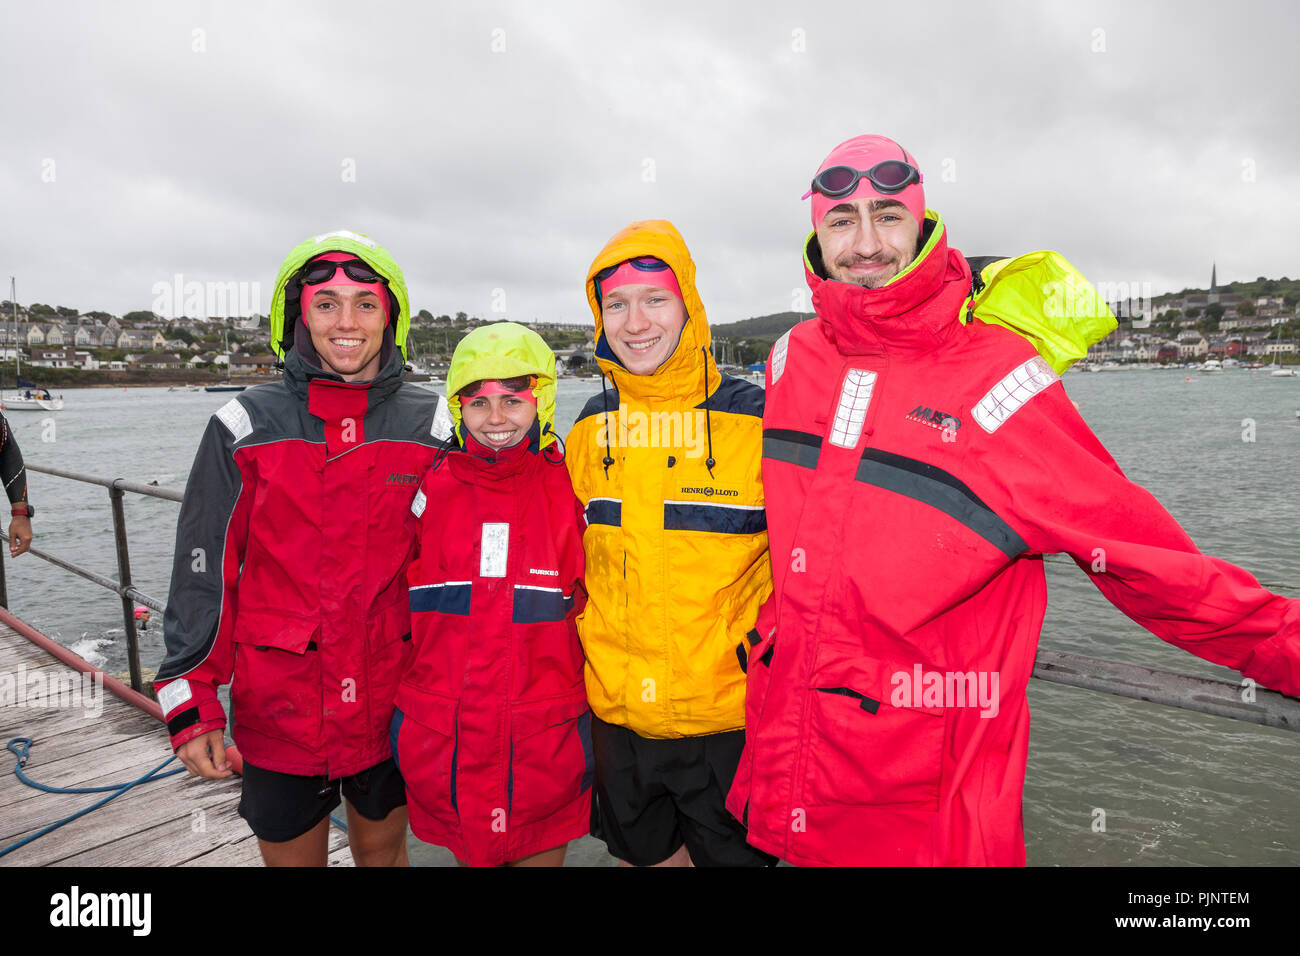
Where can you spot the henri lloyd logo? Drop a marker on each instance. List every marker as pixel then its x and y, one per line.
pixel 710 492
pixel 102 909
pixel 934 418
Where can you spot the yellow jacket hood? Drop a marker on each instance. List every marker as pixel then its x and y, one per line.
pixel 683 373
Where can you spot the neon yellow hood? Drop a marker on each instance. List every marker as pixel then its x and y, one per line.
pixel 504 350
pixel 365 249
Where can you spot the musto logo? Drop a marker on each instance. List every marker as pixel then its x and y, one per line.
pixel 933 417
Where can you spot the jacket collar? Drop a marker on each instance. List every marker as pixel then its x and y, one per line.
pixel 475 462
pixel 916 311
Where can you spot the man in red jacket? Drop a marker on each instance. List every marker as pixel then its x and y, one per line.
pixel 289 580
pixel 916 469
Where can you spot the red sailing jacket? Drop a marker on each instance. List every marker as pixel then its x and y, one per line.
pixel 492 731
pixel 916 469
pixel 289 575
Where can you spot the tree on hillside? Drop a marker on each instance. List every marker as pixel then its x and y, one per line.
pixel 140 316
pixel 1246 308
pixel 40 308
pixel 1214 311
pixel 65 311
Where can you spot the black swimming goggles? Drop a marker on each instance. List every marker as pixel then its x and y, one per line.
pixel 888 177
pixel 314 273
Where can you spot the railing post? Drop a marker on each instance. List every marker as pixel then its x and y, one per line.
pixel 4 586
pixel 124 579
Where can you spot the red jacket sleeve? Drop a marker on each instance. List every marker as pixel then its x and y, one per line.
pixel 1066 494
pixel 211 535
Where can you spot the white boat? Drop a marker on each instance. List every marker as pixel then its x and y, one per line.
pixel 30 400
pixel 25 396
pixel 1211 366
pixel 1277 369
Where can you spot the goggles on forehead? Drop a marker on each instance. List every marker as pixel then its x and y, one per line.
pixel 641 263
pixel 322 270
pixel 888 177
pixel 494 386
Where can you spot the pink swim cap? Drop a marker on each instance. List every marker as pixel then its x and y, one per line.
pixel 643 270
pixel 861 153
pixel 341 278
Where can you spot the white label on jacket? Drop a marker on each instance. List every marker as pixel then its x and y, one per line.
pixel 496 547
pixel 778 356
pixel 417 505
pixel 441 427
pixel 173 695
pixel 851 413
pixel 1009 395
pixel 235 417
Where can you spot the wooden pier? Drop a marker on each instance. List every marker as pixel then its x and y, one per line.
pixel 176 821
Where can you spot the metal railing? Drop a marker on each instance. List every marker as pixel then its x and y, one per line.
pixel 130 595
pixel 1239 701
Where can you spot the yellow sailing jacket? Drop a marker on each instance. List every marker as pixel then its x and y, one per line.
pixel 677 561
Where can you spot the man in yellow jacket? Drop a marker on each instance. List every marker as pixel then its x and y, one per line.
pixel 667 462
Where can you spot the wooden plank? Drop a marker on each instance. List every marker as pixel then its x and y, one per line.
pixel 174 842
pixel 30 809
pixel 144 807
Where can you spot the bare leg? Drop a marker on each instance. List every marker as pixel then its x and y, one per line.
pixel 551 857
pixel 378 842
pixel 306 850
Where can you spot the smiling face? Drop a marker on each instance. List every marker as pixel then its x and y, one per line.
pixel 867 241
pixel 642 325
pixel 347 330
pixel 498 421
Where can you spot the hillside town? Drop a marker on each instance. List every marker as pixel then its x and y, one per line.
pixel 1194 326
pixel 41 337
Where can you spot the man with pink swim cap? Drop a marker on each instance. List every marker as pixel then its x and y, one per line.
pixel 299 505
pixel 918 462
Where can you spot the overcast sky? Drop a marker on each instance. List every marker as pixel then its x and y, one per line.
pixel 499 145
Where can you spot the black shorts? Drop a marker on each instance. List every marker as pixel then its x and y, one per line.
pixel 282 806
pixel 652 796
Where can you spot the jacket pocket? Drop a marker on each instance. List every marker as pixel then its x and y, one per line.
pixel 276 688
pixel 551 760
pixel 861 748
pixel 424 736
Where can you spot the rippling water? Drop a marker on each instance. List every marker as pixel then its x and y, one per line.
pixel 1176 787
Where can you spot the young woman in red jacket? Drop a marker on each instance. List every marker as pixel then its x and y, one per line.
pixel 492 731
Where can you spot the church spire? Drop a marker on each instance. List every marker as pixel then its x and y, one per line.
pixel 1214 285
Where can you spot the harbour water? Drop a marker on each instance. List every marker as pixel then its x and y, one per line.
pixel 1110 781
